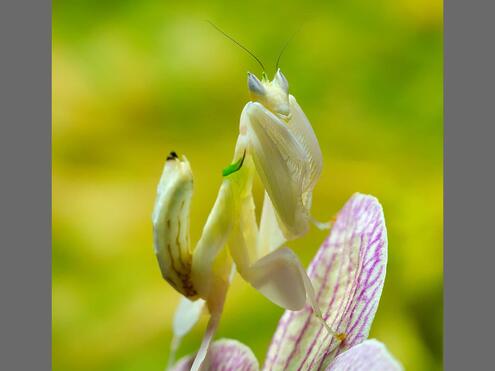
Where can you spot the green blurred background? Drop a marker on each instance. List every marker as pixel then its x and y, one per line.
pixel 133 80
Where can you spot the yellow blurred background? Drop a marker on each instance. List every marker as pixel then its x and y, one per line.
pixel 133 80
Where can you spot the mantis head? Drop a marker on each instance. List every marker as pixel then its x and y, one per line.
pixel 274 95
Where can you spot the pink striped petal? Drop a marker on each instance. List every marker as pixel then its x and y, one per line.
pixel 347 274
pixel 223 355
pixel 370 355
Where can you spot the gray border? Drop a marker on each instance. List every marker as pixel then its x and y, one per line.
pixel 25 159
pixel 469 184
pixel 25 197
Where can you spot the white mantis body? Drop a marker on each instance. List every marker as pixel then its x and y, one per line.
pixel 277 142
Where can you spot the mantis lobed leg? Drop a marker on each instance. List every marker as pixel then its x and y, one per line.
pixel 277 276
pixel 280 277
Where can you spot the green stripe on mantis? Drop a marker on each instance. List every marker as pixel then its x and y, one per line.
pixel 232 168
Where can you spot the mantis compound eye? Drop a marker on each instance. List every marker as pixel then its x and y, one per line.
pixel 281 81
pixel 273 95
pixel 255 86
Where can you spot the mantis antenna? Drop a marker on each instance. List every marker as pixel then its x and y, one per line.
pixel 237 43
pixel 285 47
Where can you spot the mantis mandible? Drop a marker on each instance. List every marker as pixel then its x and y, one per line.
pixel 277 142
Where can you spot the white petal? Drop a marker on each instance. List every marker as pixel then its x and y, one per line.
pixel 186 315
pixel 281 164
pixel 370 355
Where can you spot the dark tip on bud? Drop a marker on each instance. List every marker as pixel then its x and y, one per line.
pixel 172 156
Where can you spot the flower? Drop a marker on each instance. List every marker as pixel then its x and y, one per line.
pixel 348 274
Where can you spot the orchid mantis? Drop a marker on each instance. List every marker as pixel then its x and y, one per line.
pixel 277 142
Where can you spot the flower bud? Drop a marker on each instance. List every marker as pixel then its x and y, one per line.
pixel 171 225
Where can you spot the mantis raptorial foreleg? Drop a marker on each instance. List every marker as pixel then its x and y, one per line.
pixel 277 276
